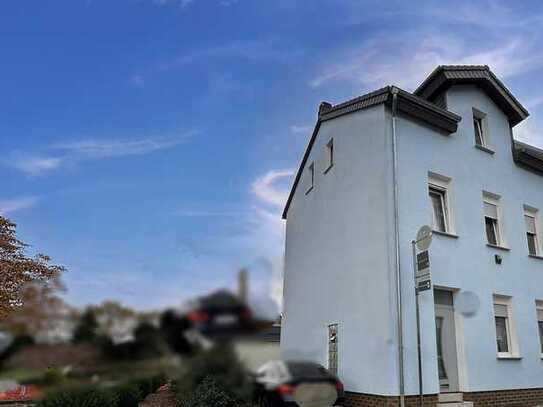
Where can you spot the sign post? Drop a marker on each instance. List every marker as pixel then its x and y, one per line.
pixel 423 282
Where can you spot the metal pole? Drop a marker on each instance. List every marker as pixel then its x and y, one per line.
pixel 399 305
pixel 419 352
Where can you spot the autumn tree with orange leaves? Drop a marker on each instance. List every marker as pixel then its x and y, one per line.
pixel 18 271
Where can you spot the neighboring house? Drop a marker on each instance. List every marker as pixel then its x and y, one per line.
pixel 377 168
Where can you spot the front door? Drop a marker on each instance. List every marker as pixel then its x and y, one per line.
pixel 447 363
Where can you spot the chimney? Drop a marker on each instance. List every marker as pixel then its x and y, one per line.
pixel 324 108
pixel 242 286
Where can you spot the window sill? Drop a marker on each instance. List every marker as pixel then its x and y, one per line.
pixel 309 190
pixel 485 149
pixel 328 169
pixel 446 234
pixel 508 357
pixel 493 246
pixel 534 256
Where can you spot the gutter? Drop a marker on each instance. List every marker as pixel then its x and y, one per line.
pixel 399 302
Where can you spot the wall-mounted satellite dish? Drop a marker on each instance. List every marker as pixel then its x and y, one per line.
pixel 468 303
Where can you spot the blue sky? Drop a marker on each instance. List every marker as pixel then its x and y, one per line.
pixel 149 145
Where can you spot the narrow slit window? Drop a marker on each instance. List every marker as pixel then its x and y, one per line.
pixel 311 171
pixel 330 154
pixel 333 349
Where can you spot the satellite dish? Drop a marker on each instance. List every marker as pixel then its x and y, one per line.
pixel 468 303
pixel 424 237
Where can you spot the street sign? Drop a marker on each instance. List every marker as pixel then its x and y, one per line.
pixel 424 237
pixel 423 278
pixel 423 261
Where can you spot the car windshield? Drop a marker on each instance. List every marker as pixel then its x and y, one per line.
pixel 307 370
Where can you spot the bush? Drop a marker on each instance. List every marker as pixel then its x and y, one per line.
pixel 86 397
pixel 53 376
pixel 209 393
pixel 18 343
pixel 129 394
pixel 222 366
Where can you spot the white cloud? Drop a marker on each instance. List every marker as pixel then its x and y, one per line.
pixel 505 38
pixel 266 190
pixel 137 80
pixel 270 228
pixel 33 165
pixel 89 149
pixel 13 205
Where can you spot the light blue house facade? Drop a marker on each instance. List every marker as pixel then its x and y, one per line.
pixel 379 167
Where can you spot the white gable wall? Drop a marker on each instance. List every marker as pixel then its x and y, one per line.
pixel 339 261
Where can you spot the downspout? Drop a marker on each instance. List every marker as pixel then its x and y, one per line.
pixel 399 303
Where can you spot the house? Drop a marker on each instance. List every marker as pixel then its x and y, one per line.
pixel 376 169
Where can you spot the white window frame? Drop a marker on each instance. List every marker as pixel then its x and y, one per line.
pixel 533 213
pixel 539 311
pixel 442 185
pixel 512 339
pixel 493 199
pixel 480 122
pixel 329 155
pixel 311 170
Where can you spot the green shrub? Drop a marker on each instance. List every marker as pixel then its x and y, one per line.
pixel 209 393
pixel 128 395
pixel 125 395
pixel 85 397
pixel 53 377
pixel 222 366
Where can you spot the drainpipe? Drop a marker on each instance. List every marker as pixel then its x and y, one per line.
pixel 399 303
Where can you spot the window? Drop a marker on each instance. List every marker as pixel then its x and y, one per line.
pixel 539 309
pixel 479 121
pixel 440 193
pixel 493 227
pixel 530 219
pixel 311 170
pixel 333 348
pixel 329 154
pixel 506 342
pixel 438 198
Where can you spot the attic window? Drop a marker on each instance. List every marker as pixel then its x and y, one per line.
pixel 480 129
pixel 311 174
pixel 329 155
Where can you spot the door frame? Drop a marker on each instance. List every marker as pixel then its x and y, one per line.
pixel 459 339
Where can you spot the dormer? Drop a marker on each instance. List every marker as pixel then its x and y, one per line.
pixel 443 77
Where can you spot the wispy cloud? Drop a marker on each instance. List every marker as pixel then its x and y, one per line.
pixel 186 3
pixel 265 188
pixel 57 155
pixel 507 41
pixel 10 206
pixel 297 129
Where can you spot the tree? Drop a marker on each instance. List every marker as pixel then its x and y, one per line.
pixel 17 270
pixel 87 328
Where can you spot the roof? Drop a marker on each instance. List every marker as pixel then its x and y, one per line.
pixel 414 106
pixel 445 76
pixel 528 156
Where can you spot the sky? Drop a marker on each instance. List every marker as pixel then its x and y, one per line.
pixel 149 145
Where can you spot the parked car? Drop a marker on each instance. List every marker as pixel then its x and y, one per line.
pixel 296 384
pixel 220 313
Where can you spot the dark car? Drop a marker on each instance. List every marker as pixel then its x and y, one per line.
pixel 296 384
pixel 220 313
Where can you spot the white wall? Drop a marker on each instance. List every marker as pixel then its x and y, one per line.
pixel 339 264
pixel 466 263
